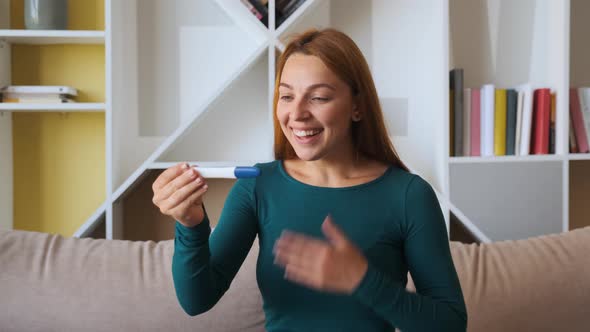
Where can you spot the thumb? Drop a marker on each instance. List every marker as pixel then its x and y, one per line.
pixel 334 233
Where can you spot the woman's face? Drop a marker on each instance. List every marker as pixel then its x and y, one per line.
pixel 315 108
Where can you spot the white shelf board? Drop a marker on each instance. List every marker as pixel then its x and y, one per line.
pixel 45 37
pixel 91 223
pixel 579 156
pixel 63 107
pixel 495 159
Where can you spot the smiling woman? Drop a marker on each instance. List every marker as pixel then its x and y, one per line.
pixel 340 219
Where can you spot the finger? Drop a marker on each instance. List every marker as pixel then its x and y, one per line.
pixel 168 175
pixel 299 250
pixel 286 258
pixel 297 243
pixel 191 200
pixel 180 181
pixel 302 276
pixel 183 194
pixel 333 233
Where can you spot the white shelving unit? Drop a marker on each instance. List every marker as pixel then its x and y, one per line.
pixel 193 81
pixel 507 43
pixel 9 37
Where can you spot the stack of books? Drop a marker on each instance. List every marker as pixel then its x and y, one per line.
pixel 498 121
pixel 37 94
pixel 283 9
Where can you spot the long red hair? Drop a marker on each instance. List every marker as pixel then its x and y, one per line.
pixel 343 57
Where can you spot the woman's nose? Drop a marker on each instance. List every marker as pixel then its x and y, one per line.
pixel 300 110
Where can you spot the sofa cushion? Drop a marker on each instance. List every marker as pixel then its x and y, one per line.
pixel 52 283
pixel 537 284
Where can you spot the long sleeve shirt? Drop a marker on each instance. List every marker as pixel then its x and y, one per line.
pixel 395 220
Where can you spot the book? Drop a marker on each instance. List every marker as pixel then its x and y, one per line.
pixel 541 121
pixel 500 122
pixel 451 123
pixel 38 100
pixel 10 95
pixel 584 97
pixel 466 121
pixel 519 108
pixel 252 9
pixel 39 89
pixel 511 106
pixel 527 118
pixel 552 125
pixel 475 133
pixel 573 145
pixel 456 84
pixel 487 120
pixel 577 122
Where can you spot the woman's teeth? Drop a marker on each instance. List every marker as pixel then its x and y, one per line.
pixel 305 133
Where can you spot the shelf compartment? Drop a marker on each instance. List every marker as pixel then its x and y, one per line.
pixel 82 15
pixel 59 170
pixel 509 201
pixel 579 194
pixel 160 100
pixel 579 47
pixel 236 127
pixel 141 220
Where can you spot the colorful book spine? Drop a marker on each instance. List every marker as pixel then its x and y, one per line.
pixel 456 80
pixel 500 122
pixel 527 118
pixel 541 121
pixel 584 96
pixel 552 125
pixel 475 124
pixel 511 108
pixel 466 121
pixel 519 108
pixel 487 120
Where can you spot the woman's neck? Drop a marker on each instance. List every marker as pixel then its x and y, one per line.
pixel 335 171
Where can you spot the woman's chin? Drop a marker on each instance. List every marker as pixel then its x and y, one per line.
pixel 308 155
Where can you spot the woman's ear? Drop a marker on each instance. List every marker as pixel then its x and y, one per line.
pixel 356 114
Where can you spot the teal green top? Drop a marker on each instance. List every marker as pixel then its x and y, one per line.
pixel 395 220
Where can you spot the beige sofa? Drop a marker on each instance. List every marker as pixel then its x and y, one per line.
pixel 51 283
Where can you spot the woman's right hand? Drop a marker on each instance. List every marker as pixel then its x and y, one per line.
pixel 178 192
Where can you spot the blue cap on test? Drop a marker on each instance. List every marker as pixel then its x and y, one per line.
pixel 243 172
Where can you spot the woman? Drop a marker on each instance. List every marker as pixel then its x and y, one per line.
pixel 340 219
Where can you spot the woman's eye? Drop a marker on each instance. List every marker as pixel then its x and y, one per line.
pixel 319 99
pixel 286 98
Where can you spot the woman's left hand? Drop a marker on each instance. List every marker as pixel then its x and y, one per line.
pixel 336 265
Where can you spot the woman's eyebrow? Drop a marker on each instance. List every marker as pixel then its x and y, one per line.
pixel 311 87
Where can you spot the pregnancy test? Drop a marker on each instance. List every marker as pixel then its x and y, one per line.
pixel 240 172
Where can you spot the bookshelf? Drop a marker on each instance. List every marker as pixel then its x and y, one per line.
pixel 229 120
pixel 193 81
pixel 578 165
pixel 507 43
pixel 53 156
